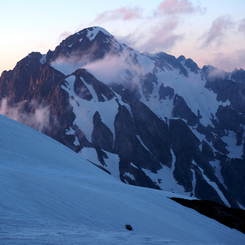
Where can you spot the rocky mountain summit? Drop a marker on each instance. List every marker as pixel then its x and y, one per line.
pixel 151 120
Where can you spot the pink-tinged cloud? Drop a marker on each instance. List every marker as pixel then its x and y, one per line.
pixel 217 32
pixel 173 7
pixel 123 13
pixel 241 27
pixel 160 37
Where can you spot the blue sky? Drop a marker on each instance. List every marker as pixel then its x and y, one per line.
pixel 209 32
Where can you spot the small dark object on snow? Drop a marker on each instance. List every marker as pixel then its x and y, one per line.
pixel 129 227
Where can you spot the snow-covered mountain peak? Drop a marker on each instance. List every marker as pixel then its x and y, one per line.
pixel 84 47
pixel 93 31
pixel 138 115
pixel 89 33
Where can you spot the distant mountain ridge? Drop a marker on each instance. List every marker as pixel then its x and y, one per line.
pixel 151 120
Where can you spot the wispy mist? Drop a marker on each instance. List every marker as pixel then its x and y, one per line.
pixel 72 62
pixel 112 67
pixel 216 73
pixel 38 119
pixel 216 33
pixel 174 7
pixel 123 13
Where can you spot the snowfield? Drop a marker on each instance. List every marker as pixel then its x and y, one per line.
pixel 51 195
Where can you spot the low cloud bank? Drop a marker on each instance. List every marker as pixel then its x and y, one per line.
pixel 112 68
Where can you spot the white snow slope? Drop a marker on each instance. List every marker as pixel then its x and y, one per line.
pixel 51 195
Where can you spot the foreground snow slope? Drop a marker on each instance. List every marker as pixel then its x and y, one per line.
pixel 49 194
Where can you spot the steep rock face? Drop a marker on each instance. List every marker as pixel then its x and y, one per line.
pixel 47 91
pixel 153 132
pixel 213 135
pixel 185 147
pixel 229 119
pixel 133 175
pixel 183 111
pixel 128 145
pixel 207 151
pixel 228 90
pixel 102 91
pixel 165 92
pixel 101 136
pixel 15 84
pixel 192 165
pixel 41 87
pixel 204 190
pixel 238 76
pixel 81 90
pixel 233 173
pixel 147 82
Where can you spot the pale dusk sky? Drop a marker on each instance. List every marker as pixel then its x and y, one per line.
pixel 211 32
